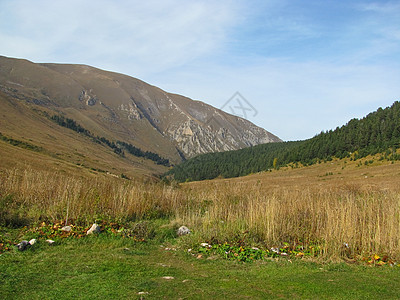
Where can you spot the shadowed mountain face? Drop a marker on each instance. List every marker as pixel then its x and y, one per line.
pixel 123 108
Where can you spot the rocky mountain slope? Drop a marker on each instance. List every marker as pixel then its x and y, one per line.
pixel 119 107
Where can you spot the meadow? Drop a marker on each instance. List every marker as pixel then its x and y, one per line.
pixel 335 225
pixel 340 210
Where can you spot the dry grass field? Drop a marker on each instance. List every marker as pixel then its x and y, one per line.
pixel 330 205
pixel 327 205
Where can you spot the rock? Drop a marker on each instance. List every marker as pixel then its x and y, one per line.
pixel 183 230
pixel 94 229
pixel 22 246
pixel 275 249
pixel 66 228
pixel 168 277
pixel 50 242
pixel 32 242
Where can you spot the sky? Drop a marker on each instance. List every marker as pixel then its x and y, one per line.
pixel 302 66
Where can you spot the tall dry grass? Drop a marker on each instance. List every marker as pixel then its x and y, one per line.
pixel 366 219
pixel 54 196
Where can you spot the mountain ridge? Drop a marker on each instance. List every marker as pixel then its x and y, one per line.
pixel 119 107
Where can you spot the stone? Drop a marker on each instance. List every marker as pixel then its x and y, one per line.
pixel 50 242
pixel 168 277
pixel 94 229
pixel 66 228
pixel 183 230
pixel 32 242
pixel 22 246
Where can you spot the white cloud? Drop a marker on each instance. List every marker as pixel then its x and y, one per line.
pixel 149 36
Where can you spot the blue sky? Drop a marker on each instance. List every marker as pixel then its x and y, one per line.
pixel 304 65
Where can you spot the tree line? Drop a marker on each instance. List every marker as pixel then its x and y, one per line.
pixel 118 146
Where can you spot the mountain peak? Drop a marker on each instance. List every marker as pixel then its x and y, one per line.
pixel 121 107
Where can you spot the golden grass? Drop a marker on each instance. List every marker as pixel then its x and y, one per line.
pixel 366 220
pixel 55 196
pixel 295 206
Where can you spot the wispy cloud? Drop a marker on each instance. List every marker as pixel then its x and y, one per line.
pixel 150 36
pixel 390 7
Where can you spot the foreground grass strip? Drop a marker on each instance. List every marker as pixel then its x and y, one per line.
pixel 112 267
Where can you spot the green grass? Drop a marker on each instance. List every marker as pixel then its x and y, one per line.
pixel 109 267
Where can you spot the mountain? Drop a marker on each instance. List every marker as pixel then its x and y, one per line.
pixel 378 132
pixel 114 107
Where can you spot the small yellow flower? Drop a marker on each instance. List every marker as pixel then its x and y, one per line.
pixel 376 257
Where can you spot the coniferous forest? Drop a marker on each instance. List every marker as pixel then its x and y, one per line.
pixel 378 132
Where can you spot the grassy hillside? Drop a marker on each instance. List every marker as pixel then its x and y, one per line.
pixel 379 132
pixel 30 138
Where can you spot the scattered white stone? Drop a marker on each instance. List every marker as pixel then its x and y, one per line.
pixel 50 242
pixel 284 254
pixel 143 293
pixel 168 277
pixel 186 280
pixel 189 250
pixel 94 229
pixel 183 230
pixel 204 244
pixel 255 248
pixel 22 246
pixel 32 242
pixel 66 228
pixel 276 250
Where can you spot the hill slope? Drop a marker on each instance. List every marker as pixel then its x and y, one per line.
pixel 119 107
pixel 379 132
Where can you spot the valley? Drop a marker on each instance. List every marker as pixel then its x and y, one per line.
pixel 79 146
